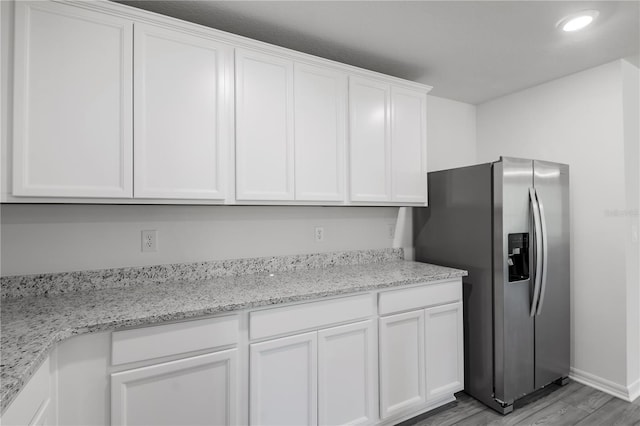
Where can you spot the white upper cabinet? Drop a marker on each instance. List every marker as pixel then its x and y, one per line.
pixel 369 140
pixel 72 102
pixel 114 105
pixel 408 145
pixel 388 142
pixel 320 132
pixel 183 114
pixel 264 127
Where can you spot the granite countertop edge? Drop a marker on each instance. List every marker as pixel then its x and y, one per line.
pixel 14 382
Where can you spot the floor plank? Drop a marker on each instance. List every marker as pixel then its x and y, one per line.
pixel 615 412
pixel 483 418
pixel 558 413
pixel 587 398
pixel 535 402
pixel 571 405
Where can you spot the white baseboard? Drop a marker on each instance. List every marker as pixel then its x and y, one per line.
pixel 634 390
pixel 619 391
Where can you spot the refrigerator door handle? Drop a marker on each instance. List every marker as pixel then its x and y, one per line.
pixel 543 223
pixel 538 238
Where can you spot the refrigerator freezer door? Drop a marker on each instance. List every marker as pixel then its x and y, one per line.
pixel 551 181
pixel 514 327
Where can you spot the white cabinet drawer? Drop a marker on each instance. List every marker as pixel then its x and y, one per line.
pixel 305 316
pixel 165 340
pixel 420 297
pixel 199 390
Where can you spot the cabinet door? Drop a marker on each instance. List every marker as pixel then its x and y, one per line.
pixel 402 360
pixel 193 391
pixel 183 108
pixel 347 374
pixel 444 350
pixel 72 103
pixel 320 132
pixel 283 381
pixel 369 148
pixel 408 145
pixel 264 127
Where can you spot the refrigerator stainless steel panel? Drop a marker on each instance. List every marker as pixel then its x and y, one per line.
pixel 514 327
pixel 507 223
pixel 552 348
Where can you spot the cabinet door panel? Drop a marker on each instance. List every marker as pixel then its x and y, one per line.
pixel 347 374
pixel 369 150
pixel 408 145
pixel 182 110
pixel 283 381
pixel 264 127
pixel 444 350
pixel 72 104
pixel 320 125
pixel 192 391
pixel 402 373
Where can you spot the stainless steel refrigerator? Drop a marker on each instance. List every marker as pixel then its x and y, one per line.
pixel 507 223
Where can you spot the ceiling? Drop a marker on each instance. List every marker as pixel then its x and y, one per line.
pixel 470 51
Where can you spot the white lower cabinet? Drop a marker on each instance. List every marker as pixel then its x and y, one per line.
pixel 180 386
pixel 192 391
pixel 444 350
pixel 347 385
pixel 326 377
pixel 283 381
pixel 402 362
pixel 421 358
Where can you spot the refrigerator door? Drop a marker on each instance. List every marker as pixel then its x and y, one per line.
pixel 512 292
pixel 551 181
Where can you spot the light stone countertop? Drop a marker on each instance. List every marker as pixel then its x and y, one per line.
pixel 31 326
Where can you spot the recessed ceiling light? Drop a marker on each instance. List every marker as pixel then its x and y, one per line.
pixel 577 21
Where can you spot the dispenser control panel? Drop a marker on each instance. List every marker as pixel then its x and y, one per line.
pixel 518 256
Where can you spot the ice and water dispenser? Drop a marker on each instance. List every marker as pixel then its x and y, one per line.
pixel 518 256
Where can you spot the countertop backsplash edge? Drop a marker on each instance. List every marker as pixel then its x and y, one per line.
pixel 76 281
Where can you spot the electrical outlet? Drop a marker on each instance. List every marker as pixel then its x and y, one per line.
pixel 391 231
pixel 150 240
pixel 319 234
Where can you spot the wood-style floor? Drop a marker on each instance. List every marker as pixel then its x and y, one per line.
pixel 573 404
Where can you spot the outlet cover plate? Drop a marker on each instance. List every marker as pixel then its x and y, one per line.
pixel 149 241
